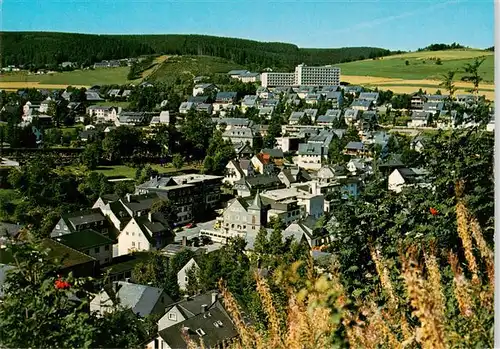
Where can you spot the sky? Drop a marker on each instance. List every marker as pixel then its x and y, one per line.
pixel 391 24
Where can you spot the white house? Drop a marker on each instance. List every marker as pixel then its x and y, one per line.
pixel 261 164
pixel 103 114
pixel 310 156
pixel 200 89
pixel 141 234
pixel 182 275
pixel 405 177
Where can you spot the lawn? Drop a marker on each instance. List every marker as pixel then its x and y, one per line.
pixel 120 171
pixel 422 65
pixel 104 76
pixel 193 66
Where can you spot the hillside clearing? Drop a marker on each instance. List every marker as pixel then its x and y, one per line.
pixel 187 67
pixel 421 65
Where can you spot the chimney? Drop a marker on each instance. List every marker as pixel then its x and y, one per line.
pixel 128 197
pixel 214 297
pixel 150 216
pixel 203 308
pixel 184 241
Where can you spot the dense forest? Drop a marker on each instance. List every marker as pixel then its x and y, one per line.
pixel 37 48
pixel 441 47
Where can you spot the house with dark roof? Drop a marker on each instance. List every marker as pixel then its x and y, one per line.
pixel 329 118
pixel 197 319
pixel 355 149
pixel 238 169
pixel 361 104
pixel 351 116
pixel 223 100
pixel 140 299
pixel 311 156
pixel 243 150
pixel 143 233
pixel 240 135
pixel 132 118
pixel 91 243
pixel 79 221
pixel 335 98
pixel 201 89
pixel 291 175
pixel 262 164
pixel 419 118
pixel 244 215
pixel 406 177
pixel 71 260
pixel 249 186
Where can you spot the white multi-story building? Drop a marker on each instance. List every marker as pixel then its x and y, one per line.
pixel 317 76
pixel 304 76
pixel 277 79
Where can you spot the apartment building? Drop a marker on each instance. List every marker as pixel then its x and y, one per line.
pixel 277 79
pixel 304 75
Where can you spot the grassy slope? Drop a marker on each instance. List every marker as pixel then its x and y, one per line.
pixel 191 66
pixel 129 172
pixel 395 67
pixel 78 77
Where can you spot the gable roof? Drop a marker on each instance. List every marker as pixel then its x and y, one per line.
pixel 84 240
pixel 213 335
pixel 355 146
pixel 68 256
pixel 275 153
pixel 310 149
pixel 140 298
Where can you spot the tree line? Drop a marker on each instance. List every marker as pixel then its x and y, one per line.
pixel 35 48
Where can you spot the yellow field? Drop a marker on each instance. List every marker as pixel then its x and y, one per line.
pixel 443 55
pixel 410 86
pixel 16 85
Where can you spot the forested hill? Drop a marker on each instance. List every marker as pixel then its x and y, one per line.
pixel 41 48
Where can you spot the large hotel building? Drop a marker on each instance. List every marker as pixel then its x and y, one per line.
pixel 303 76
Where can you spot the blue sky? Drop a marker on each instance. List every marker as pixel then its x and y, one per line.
pixel 401 24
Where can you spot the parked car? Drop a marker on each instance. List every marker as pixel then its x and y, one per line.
pixel 190 225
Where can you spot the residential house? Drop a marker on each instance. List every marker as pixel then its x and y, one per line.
pixel 263 92
pixel 79 221
pixel 295 117
pixel 406 177
pixel 418 101
pixel 274 155
pixel 182 274
pixel 433 107
pixel 249 186
pixel 185 107
pixel 355 149
pixel 303 91
pixel 201 89
pixel 311 156
pixel 213 325
pixel 240 135
pixel 244 215
pixel 313 98
pixel 268 103
pixel 126 94
pixel 102 114
pixel 223 100
pixel 140 299
pixel 188 307
pixel 89 242
pixel 390 164
pixel 143 233
pixel 335 98
pixel 236 73
pixel 243 150
pixel 329 118
pixel 130 118
pixel 200 79
pixel 205 107
pixel 312 113
pixel 352 90
pixel 285 202
pixel 262 164
pixel 351 116
pixel 31 108
pixel 248 77
pixel 238 169
pixel 162 119
pixel 419 119
pixel 369 96
pixel 249 101
pixel 289 176
pixel 121 267
pixel 233 123
pixel 93 96
pixel 300 233
pixel 266 112
pixel 437 98
pixel 361 104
